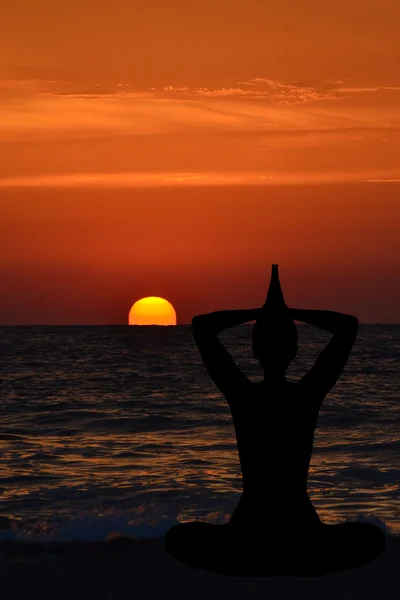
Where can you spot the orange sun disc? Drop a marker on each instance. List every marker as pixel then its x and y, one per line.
pixel 152 311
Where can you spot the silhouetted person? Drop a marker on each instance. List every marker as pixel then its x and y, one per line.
pixel 275 529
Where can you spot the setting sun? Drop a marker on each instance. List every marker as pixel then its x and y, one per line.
pixel 152 311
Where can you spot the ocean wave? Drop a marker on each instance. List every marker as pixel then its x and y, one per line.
pixel 392 445
pixel 99 525
pixel 370 474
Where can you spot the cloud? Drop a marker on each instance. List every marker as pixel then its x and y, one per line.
pixel 275 91
pixel 46 108
pixel 332 130
pixel 148 180
pixel 283 92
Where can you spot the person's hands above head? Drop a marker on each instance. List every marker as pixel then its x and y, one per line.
pixel 274 296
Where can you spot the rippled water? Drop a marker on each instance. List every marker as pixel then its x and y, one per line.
pixel 105 427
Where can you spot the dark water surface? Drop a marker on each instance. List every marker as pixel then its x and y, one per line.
pixel 120 427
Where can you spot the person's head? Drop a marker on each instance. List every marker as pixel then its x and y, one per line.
pixel 274 345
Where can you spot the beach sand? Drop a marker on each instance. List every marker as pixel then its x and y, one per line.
pixel 136 569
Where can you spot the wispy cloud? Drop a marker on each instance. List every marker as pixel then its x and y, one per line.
pixel 47 108
pixel 327 130
pixel 282 92
pixel 148 180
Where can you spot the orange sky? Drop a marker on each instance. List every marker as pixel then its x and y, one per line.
pixel 179 150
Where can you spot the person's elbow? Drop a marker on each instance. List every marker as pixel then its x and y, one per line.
pixel 197 324
pixel 353 322
pixel 201 325
pixel 350 325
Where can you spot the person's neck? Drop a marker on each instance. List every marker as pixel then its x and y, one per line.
pixel 274 378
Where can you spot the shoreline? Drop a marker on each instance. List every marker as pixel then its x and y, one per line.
pixel 125 567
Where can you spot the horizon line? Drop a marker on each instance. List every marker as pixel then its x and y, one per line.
pixel 156 325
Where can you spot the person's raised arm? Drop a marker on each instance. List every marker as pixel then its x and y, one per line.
pixel 332 360
pixel 219 363
pixel 324 319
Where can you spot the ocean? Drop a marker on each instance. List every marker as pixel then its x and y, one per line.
pixel 110 429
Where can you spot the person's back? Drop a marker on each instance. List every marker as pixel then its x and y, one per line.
pixel 275 428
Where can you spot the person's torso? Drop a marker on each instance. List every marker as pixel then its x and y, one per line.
pixel 275 428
